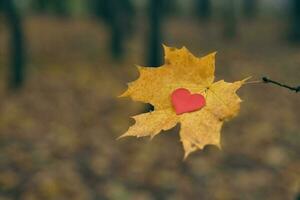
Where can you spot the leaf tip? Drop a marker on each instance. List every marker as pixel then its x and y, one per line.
pixel 152 137
pixel 121 136
pixel 214 53
pixel 138 67
pixel 246 79
pixel 186 155
pixel 124 94
pixel 165 46
pixel 166 49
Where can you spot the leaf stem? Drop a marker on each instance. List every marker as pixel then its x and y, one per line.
pixel 253 82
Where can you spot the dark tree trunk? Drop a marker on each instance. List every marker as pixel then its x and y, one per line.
pixel 250 8
pixel 117 15
pixel 17 55
pixel 116 29
pixel 155 34
pixel 56 7
pixel 169 7
pixel 230 19
pixel 203 9
pixel 117 42
pixel 40 6
pixel 60 7
pixel 295 21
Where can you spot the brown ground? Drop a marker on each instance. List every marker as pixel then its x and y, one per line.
pixel 58 135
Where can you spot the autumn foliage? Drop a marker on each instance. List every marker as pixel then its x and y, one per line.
pixel 183 70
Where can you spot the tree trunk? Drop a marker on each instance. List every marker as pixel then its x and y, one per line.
pixel 118 16
pixel 250 8
pixel 60 7
pixel 230 19
pixel 116 43
pixel 295 21
pixel 203 9
pixel 17 55
pixel 155 34
pixel 40 6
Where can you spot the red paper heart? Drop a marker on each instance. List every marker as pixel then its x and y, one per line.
pixel 183 101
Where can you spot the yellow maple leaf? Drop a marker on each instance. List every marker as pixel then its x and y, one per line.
pixel 183 70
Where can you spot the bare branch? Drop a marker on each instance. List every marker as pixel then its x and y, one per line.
pixel 267 80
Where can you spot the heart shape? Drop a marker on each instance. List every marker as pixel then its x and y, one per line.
pixel 183 101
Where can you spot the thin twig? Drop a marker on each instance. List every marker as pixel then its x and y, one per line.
pixel 267 80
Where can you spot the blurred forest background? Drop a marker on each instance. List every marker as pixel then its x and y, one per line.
pixel 63 62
